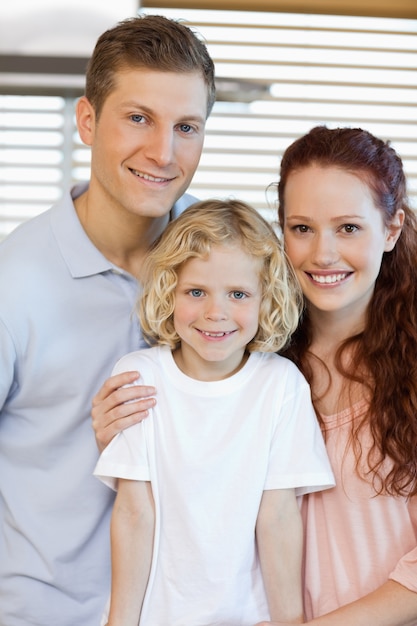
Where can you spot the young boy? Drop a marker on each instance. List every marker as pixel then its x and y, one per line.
pixel 206 527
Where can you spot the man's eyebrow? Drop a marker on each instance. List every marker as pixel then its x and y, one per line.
pixel 135 104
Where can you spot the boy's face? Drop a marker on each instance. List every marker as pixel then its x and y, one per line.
pixel 147 142
pixel 217 304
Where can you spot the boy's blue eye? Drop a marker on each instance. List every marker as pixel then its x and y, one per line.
pixel 196 293
pixel 238 295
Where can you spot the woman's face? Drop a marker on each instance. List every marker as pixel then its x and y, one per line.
pixel 335 237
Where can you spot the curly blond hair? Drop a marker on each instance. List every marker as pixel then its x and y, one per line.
pixel 192 235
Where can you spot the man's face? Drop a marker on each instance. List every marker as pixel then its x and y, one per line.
pixel 147 142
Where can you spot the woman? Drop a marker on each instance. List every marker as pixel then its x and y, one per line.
pixel 352 239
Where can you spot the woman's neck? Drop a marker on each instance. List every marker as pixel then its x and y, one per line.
pixel 331 390
pixel 330 328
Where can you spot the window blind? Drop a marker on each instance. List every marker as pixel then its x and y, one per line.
pixel 278 74
pixel 300 71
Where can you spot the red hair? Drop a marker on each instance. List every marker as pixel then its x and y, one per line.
pixel 386 350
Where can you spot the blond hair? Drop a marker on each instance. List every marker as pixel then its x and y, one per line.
pixel 192 235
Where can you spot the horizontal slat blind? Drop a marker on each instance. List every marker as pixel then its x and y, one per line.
pixel 310 69
pixel 37 142
pixel 379 8
pixel 279 74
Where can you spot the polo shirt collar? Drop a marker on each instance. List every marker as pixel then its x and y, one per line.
pixel 79 253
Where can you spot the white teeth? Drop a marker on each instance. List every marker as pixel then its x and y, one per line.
pixel 215 334
pixel 331 278
pixel 147 177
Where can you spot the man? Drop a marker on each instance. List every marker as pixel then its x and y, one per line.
pixel 68 286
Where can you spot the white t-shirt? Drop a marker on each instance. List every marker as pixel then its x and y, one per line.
pixel 210 449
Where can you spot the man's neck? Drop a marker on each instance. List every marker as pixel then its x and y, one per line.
pixel 123 239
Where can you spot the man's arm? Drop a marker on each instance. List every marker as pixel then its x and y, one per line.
pixel 279 538
pixel 132 533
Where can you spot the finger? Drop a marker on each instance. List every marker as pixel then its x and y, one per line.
pixel 120 397
pixel 125 408
pixel 124 422
pixel 105 415
pixel 114 382
pixel 120 418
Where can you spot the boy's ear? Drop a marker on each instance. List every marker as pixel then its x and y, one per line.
pixel 393 230
pixel 86 118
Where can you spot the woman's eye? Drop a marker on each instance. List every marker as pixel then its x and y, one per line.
pixel 350 228
pixel 301 228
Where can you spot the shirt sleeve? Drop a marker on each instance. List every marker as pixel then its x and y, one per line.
pixel 298 457
pixel 405 572
pixel 8 364
pixel 126 456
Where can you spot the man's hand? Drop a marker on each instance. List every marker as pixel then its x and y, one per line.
pixel 117 406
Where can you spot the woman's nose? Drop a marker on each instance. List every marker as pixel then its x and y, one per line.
pixel 325 249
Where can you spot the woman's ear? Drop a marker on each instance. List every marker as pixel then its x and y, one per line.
pixel 393 230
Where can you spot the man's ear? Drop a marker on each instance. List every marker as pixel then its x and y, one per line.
pixel 86 119
pixel 393 230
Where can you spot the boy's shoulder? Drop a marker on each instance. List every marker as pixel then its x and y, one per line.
pixel 279 368
pixel 145 361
